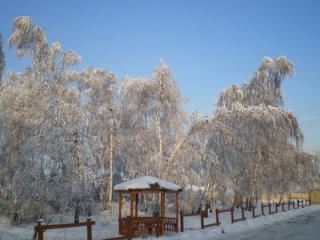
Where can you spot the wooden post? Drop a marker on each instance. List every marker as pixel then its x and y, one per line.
pixel 309 198
pixel 181 222
pixel 262 209
pixel 89 229
pixel 302 204
pixel 269 206
pixel 162 204
pixel 289 205
pixel 253 210
pixel 177 211
pixel 131 203
pixel 162 211
pixel 120 204
pixel 277 205
pixel 136 205
pixel 119 214
pixel 130 229
pixel 242 212
pixel 232 216
pixel 217 217
pixel 282 207
pixel 39 229
pixel 202 219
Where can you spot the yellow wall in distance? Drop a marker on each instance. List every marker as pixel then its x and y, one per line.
pixel 315 197
pixel 284 197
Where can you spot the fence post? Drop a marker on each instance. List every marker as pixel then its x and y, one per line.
pixel 269 206
pixel 309 198
pixel 302 203
pixel 202 219
pixel 277 205
pixel 89 229
pixel 232 216
pixel 242 212
pixel 181 221
pixel 262 209
pixel 39 229
pixel 217 217
pixel 282 206
pixel 253 209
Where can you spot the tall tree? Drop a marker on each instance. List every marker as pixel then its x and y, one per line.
pixel 153 107
pixel 2 61
pixel 261 127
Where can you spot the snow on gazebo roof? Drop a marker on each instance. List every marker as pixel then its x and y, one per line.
pixel 146 183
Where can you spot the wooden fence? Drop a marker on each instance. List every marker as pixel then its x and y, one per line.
pixel 253 208
pixel 182 216
pixel 40 228
pixel 271 211
pixel 217 218
pixel 202 216
pixel 233 220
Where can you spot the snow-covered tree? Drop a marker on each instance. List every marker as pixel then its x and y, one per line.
pixel 154 115
pixel 68 130
pixel 2 61
pixel 261 128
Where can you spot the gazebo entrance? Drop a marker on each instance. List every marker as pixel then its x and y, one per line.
pixel 135 225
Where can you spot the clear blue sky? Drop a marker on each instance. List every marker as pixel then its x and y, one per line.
pixel 209 44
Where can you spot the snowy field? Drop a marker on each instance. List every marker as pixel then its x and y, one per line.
pixel 103 229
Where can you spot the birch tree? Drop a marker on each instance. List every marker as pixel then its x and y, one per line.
pixel 99 88
pixel 2 61
pixel 42 100
pixel 261 127
pixel 153 106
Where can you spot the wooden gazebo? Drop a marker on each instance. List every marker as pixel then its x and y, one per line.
pixel 134 225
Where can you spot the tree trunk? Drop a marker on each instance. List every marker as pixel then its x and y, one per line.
pixel 76 212
pixel 102 186
pixel 256 167
pixel 160 141
pixel 159 97
pixel 110 165
pixel 173 154
pixel 175 151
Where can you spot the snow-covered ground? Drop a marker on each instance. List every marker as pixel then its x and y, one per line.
pixel 103 229
pixel 304 226
pixel 237 228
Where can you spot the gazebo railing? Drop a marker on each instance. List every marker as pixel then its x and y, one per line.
pixel 170 224
pixel 144 226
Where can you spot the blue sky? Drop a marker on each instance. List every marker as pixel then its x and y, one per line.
pixel 208 44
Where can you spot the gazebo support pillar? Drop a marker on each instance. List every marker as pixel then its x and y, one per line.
pixel 136 206
pixel 162 210
pixel 131 203
pixel 119 214
pixel 177 212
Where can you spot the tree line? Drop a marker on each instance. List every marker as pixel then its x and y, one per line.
pixel 68 135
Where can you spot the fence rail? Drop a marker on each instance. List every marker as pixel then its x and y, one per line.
pixel 40 228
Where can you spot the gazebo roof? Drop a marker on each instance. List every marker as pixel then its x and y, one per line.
pixel 147 183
